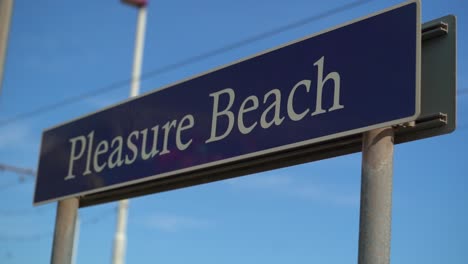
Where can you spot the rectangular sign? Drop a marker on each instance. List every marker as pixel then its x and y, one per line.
pixel 353 78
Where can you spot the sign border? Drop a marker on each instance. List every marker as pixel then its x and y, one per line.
pixel 270 150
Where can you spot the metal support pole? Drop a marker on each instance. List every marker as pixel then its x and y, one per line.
pixel 138 53
pixel 120 240
pixel 76 240
pixel 118 256
pixel 376 197
pixel 6 7
pixel 62 250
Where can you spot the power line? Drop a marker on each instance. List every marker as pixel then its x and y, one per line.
pixel 183 63
pixel 22 172
pixel 65 102
pixel 17 170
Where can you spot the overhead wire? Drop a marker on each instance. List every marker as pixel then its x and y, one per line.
pixel 18 170
pixel 23 173
pixel 182 63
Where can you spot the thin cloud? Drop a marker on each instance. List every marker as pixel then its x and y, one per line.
pixel 14 135
pixel 18 137
pixel 286 185
pixel 174 223
pixel 326 195
pixel 261 182
pixel 20 228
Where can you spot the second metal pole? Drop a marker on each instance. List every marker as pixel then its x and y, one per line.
pixel 138 53
pixel 120 240
pixel 376 197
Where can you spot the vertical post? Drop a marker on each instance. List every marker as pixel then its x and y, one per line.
pixel 62 250
pixel 376 197
pixel 120 240
pixel 138 53
pixel 76 239
pixel 6 7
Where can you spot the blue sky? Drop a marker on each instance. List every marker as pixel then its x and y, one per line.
pixel 301 214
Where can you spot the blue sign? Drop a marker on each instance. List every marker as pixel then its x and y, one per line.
pixel 353 78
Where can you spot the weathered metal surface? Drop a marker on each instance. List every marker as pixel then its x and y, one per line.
pixel 376 197
pixel 65 222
